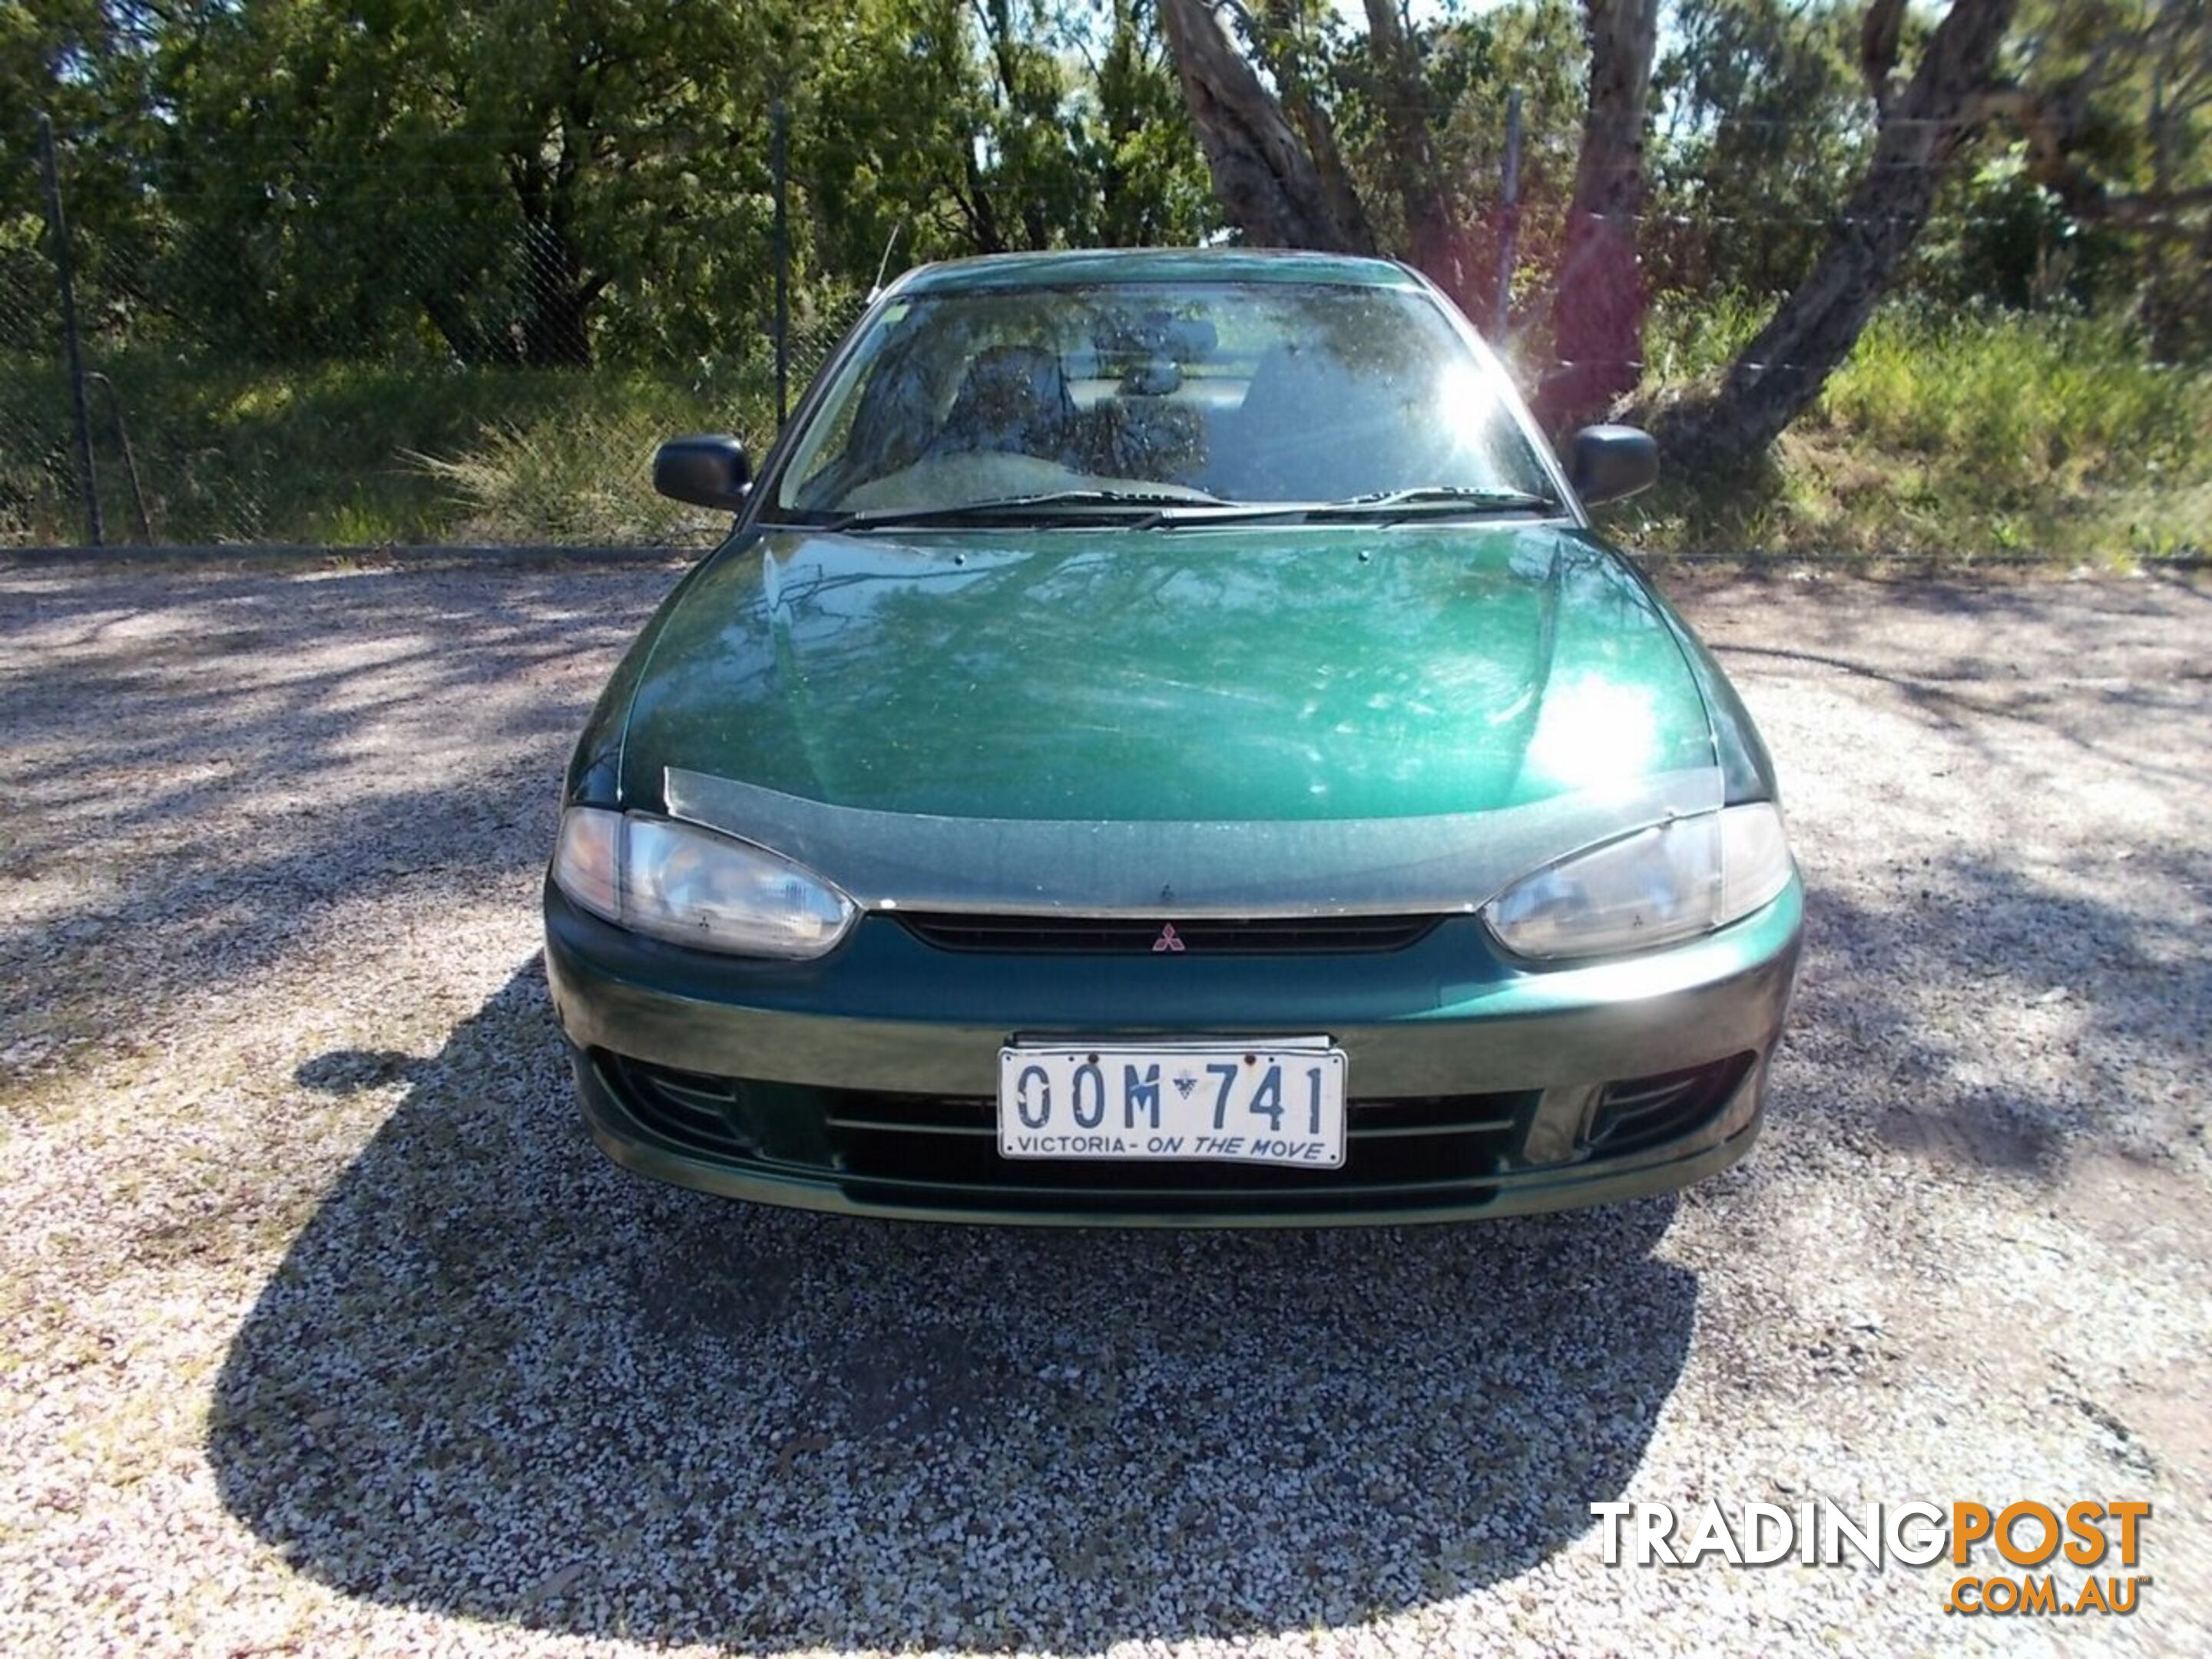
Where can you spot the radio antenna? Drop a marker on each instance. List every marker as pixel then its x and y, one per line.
pixel 884 264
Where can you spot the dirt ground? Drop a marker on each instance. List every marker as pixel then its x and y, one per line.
pixel 325 1329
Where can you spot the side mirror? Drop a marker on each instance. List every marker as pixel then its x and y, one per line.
pixel 708 470
pixel 1608 463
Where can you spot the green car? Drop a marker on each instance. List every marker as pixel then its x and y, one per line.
pixel 1162 745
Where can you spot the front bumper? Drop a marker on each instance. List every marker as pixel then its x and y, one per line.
pixel 862 1083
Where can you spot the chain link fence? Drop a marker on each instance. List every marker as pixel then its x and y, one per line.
pixel 472 387
pixel 37 473
pixel 368 352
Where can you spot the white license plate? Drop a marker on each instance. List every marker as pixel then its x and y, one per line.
pixel 1277 1100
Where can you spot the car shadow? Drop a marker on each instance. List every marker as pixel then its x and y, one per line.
pixel 497 1377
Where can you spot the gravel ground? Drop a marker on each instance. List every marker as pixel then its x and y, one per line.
pixel 325 1330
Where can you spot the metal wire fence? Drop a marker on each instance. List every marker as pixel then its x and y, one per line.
pixel 355 355
pixel 469 389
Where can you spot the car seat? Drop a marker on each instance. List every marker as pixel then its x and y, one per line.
pixel 1307 429
pixel 1013 399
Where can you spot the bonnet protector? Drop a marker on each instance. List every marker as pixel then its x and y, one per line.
pixel 1345 866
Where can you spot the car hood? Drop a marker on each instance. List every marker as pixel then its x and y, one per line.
pixel 1230 674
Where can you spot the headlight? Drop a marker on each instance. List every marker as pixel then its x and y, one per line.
pixel 672 881
pixel 1671 882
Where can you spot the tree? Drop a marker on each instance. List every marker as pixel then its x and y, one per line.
pixel 1764 128
pixel 960 128
pixel 1436 237
pixel 1599 297
pixel 1265 172
pixel 1921 127
pixel 1151 179
pixel 2113 110
pixel 492 169
pixel 85 64
pixel 1470 62
pixel 504 183
pixel 1297 48
pixel 1279 177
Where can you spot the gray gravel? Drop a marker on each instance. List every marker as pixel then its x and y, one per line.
pixel 325 1330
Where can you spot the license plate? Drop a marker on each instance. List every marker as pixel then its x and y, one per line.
pixel 1276 1101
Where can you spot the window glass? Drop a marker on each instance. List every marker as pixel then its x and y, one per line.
pixel 1236 391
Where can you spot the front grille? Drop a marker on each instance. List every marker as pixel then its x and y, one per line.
pixel 1251 936
pixel 1410 1151
pixel 943 1151
pixel 1644 1111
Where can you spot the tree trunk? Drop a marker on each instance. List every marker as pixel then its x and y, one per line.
pixel 555 323
pixel 469 343
pixel 975 205
pixel 1435 241
pixel 1599 298
pixel 1779 374
pixel 1286 60
pixel 555 331
pixel 552 331
pixel 1264 177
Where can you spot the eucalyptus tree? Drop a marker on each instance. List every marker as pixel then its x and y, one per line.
pixel 1272 147
pixel 1922 121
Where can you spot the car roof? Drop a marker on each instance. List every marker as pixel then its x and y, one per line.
pixel 1080 267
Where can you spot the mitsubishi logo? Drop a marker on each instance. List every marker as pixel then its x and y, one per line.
pixel 1168 940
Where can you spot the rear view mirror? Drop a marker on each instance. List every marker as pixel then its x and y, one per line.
pixel 1608 463
pixel 707 471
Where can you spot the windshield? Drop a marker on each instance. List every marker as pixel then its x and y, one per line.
pixel 1136 396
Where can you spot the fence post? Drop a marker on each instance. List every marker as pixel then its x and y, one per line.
pixel 1509 219
pixel 87 481
pixel 780 160
pixel 129 458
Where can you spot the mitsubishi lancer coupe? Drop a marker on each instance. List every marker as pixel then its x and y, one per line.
pixel 1163 744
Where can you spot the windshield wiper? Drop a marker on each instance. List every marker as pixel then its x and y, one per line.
pixel 1196 507
pixel 1458 498
pixel 1045 501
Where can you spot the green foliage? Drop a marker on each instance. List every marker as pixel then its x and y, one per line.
pixel 1034 127
pixel 1471 58
pixel 1999 235
pixel 1154 189
pixel 492 182
pixel 1953 436
pixel 468 179
pixel 1765 123
pixel 414 269
pixel 2097 196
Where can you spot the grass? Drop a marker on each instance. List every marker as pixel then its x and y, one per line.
pixel 1957 438
pixel 580 480
pixel 360 455
pixel 1954 438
